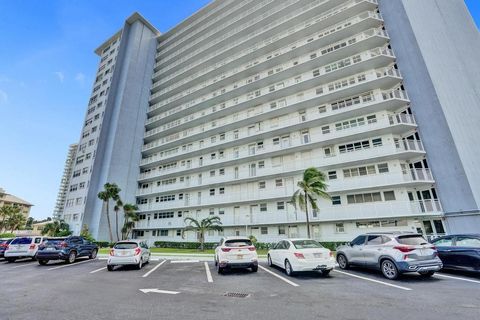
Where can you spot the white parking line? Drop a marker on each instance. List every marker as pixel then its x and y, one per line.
pixel 184 261
pixel 94 271
pixel 154 268
pixel 23 265
pixel 70 265
pixel 207 270
pixel 279 276
pixel 457 278
pixel 373 280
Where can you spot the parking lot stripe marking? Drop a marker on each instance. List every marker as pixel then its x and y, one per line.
pixel 457 278
pixel 154 268
pixel 209 274
pixel 98 270
pixel 23 265
pixel 158 291
pixel 184 261
pixel 279 276
pixel 373 280
pixel 70 265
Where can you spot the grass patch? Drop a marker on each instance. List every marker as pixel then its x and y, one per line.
pixel 175 250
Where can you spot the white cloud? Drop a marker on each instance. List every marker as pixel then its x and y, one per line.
pixel 4 78
pixel 3 97
pixel 80 77
pixel 60 75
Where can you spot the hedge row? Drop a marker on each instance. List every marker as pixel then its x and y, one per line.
pixel 104 244
pixel 211 245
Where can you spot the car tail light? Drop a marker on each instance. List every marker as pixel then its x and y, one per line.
pixel 112 252
pixel 299 255
pixel 32 246
pixel 3 245
pixel 137 251
pixel 226 249
pixel 331 254
pixel 251 248
pixel 404 248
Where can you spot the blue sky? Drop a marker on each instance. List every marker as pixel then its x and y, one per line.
pixel 47 67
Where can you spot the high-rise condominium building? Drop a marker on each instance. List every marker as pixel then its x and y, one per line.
pixel 65 181
pixel 234 103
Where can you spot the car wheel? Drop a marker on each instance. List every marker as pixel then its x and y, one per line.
pixel 288 268
pixel 93 255
pixel 269 261
pixel 325 273
pixel 11 260
pixel 140 264
pixel 254 268
pixel 220 270
pixel 72 257
pixel 427 274
pixel 110 268
pixel 342 262
pixel 42 262
pixel 389 269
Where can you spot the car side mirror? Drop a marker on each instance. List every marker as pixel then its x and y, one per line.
pixel 350 244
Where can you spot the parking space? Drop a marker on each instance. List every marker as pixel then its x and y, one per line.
pixel 181 288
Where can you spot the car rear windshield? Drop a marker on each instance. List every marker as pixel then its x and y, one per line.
pixel 126 245
pixel 412 240
pixel 22 241
pixel 306 244
pixel 54 241
pixel 238 243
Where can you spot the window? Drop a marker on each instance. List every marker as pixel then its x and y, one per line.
pixel 305 136
pixel 179 232
pixel 322 109
pixel 280 205
pixel 276 141
pixel 221 190
pixel 281 230
pixel 389 195
pixel 278 182
pixel 377 142
pixel 336 200
pixel 326 129
pixel 374 240
pixel 382 167
pixel 212 173
pixel 332 175
pixel 74 187
pixel 81 185
pixel 76 173
pixel 263 207
pixel 261 185
pixel 212 192
pixel 261 164
pixel 263 230
pixel 163 233
pixel 277 161
pixel 364 197
pixel 358 241
pixel 339 227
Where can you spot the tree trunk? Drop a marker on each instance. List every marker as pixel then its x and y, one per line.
pixel 109 224
pixel 116 225
pixel 201 241
pixel 306 213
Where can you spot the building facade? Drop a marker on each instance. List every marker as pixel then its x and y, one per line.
pixel 65 181
pixel 245 95
pixel 7 199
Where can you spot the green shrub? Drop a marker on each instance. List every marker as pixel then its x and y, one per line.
pixel 332 245
pixel 102 244
pixel 7 235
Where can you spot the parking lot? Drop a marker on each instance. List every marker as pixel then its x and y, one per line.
pixel 192 289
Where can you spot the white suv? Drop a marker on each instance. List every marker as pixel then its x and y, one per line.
pixel 22 247
pixel 236 252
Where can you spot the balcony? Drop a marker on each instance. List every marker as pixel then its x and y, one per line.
pixel 201 82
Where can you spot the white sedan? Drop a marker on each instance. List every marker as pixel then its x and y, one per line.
pixel 295 255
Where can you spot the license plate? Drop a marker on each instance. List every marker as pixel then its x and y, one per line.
pixel 317 255
pixel 50 249
pixel 239 256
pixel 124 253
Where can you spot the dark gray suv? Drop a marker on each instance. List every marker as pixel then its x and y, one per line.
pixel 392 253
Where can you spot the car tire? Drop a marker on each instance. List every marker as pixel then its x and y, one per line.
pixel 254 268
pixel 93 255
pixel 427 274
pixel 34 258
pixel 42 262
pixel 325 273
pixel 389 269
pixel 140 264
pixel 72 256
pixel 220 270
pixel 288 269
pixel 110 268
pixel 342 262
pixel 11 260
pixel 269 261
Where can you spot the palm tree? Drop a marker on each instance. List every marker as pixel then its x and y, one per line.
pixel 202 226
pixel 16 220
pixel 310 188
pixel 6 212
pixel 110 191
pixel 116 208
pixel 57 228
pixel 130 211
